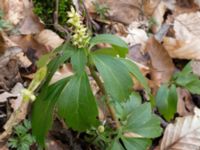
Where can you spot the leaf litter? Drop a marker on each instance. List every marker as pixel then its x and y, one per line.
pixel 154 58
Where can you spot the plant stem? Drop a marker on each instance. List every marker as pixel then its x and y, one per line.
pixel 101 86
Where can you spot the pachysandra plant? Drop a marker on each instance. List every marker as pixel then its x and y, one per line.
pixel 72 97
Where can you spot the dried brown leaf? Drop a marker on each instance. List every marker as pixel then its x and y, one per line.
pixel 123 11
pixel 185 104
pixel 49 39
pixel 187 34
pixel 155 9
pixel 20 14
pixel 184 134
pixel 162 66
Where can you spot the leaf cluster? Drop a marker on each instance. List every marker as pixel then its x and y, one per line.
pixel 167 97
pixel 22 139
pixel 73 99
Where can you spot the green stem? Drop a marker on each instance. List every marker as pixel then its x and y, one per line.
pixel 101 86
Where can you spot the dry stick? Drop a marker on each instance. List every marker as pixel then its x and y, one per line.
pixel 57 26
pixel 16 117
pixel 89 19
pixel 109 107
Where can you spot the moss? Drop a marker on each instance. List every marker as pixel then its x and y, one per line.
pixel 45 9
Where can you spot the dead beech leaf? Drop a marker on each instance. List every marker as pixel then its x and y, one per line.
pixel 155 9
pixel 196 67
pixel 5 95
pixel 136 36
pixel 49 38
pixel 184 134
pixel 28 42
pixel 63 72
pixel 161 63
pixel 123 11
pixel 132 135
pixel 187 34
pixel 15 103
pixel 197 2
pixel 2 44
pixel 186 26
pixel 20 14
pixel 185 104
pixel 13 10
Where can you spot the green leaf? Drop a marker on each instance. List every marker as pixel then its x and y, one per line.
pixel 64 52
pixel 79 60
pixel 117 80
pixel 194 87
pixel 142 122
pixel 43 107
pixel 166 101
pixel 139 124
pixel 133 102
pixel 136 143
pixel 77 105
pixel 183 80
pixel 106 51
pixel 118 44
pixel 115 145
pixel 44 59
pixel 134 70
pixel 187 69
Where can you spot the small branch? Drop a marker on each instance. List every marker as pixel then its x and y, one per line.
pixel 15 118
pixel 56 24
pixel 101 86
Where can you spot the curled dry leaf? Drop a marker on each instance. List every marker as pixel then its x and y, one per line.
pixel 123 11
pixel 187 33
pixel 13 10
pixel 5 95
pixel 184 134
pixel 185 104
pixel 49 39
pixel 63 72
pixel 136 36
pixel 27 42
pixel 2 44
pixel 20 14
pixel 161 63
pixel 15 103
pixel 196 67
pixel 197 2
pixel 155 9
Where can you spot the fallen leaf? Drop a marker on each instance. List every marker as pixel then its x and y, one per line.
pixel 5 95
pixel 185 105
pixel 162 66
pixel 187 31
pixel 155 9
pixel 20 14
pixel 123 11
pixel 136 36
pixel 13 10
pixel 15 103
pixel 184 134
pixel 23 60
pixel 9 74
pixel 2 44
pixel 28 42
pixel 196 67
pixel 63 72
pixel 197 2
pixel 49 39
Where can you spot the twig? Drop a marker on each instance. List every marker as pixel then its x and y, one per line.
pixel 15 118
pixel 89 19
pixel 56 24
pixel 101 86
